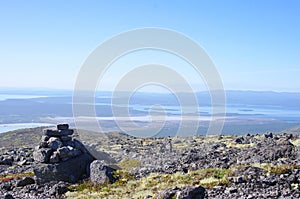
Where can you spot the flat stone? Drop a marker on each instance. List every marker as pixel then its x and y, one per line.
pixel 65 138
pixel 63 126
pixel 58 133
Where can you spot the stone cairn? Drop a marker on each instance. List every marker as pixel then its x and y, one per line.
pixel 57 145
pixel 59 157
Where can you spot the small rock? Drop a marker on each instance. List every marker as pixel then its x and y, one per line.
pixel 59 189
pixel 23 162
pixel 168 193
pixel 6 186
pixel 239 140
pixel 7 161
pixel 25 181
pixel 268 135
pixel 45 138
pixel 54 157
pixel 230 190
pixel 8 196
pixel 183 193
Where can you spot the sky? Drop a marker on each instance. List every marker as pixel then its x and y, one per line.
pixel 255 45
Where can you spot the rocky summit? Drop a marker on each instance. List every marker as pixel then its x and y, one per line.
pixel 224 166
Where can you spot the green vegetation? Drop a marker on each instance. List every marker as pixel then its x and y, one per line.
pixel 128 165
pixel 128 187
pixel 276 169
pixel 9 177
pixel 296 142
pixel 239 146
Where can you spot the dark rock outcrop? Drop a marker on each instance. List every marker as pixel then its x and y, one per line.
pixel 25 181
pixel 67 171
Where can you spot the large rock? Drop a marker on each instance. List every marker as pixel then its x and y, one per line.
pixel 101 173
pixel 192 193
pixel 183 193
pixel 42 155
pixel 68 171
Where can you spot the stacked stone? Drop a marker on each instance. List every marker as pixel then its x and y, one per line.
pixel 57 145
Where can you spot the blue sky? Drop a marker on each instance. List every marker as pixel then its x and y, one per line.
pixel 254 44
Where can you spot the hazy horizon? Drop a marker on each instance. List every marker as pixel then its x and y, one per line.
pixel 254 45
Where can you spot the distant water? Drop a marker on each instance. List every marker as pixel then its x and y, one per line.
pixel 9 96
pixel 13 127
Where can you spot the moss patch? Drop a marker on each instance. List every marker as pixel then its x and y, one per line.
pixel 9 177
pixel 296 142
pixel 128 165
pixel 276 169
pixel 151 185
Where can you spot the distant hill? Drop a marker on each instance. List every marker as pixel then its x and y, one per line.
pixel 21 138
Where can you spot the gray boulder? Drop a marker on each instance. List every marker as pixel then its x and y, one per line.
pixel 101 173
pixel 71 170
pixel 168 193
pixel 192 193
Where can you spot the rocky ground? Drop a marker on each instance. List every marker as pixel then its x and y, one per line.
pixel 250 166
